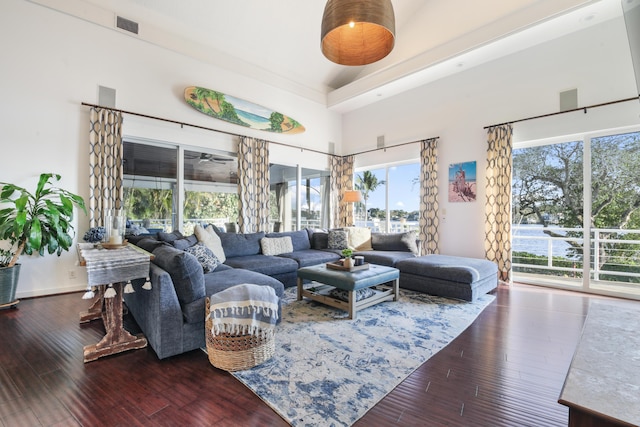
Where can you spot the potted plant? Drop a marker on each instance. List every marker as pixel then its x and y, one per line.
pixel 33 223
pixel 346 253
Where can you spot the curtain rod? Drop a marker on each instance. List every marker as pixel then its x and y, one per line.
pixel 392 146
pixel 239 135
pixel 567 111
pixel 197 126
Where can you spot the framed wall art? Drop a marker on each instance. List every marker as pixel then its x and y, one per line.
pixel 462 182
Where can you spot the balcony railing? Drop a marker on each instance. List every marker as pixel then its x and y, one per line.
pixel 614 253
pixel 157 224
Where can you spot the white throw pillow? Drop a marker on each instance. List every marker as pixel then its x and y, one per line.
pixel 210 239
pixel 276 245
pixel 359 238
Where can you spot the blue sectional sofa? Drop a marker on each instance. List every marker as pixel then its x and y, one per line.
pixel 171 314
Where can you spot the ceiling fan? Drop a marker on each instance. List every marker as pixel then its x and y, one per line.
pixel 207 157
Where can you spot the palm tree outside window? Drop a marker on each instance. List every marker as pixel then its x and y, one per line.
pixel 366 183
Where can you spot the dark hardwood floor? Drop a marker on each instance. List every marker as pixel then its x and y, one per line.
pixel 506 369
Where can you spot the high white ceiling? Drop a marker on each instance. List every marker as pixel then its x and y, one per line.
pixel 278 41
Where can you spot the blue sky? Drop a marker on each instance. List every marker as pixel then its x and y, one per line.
pixel 469 169
pixel 403 193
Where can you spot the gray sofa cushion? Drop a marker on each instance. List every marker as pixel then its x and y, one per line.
pixel 135 239
pixel 299 239
pixel 265 264
pixel 185 242
pixel 311 257
pixel 388 258
pixel 320 240
pixel 185 271
pixel 220 280
pixel 169 237
pixel 149 244
pixel 452 268
pixel 311 231
pixel 237 245
pixel 395 242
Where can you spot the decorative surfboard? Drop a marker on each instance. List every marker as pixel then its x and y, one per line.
pixel 240 112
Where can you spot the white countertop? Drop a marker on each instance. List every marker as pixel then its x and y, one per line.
pixel 604 376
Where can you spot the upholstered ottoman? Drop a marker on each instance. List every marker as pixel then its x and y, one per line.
pixel 448 276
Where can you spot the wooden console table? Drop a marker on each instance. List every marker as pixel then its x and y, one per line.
pixel 603 383
pixel 110 269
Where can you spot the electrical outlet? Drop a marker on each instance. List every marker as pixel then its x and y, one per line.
pixel 72 275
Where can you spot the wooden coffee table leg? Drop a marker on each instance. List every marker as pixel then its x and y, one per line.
pixel 396 289
pixel 299 289
pixel 352 305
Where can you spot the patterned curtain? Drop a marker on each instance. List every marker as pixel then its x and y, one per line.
pixel 336 191
pixel 497 243
pixel 341 180
pixel 105 164
pixel 429 204
pixel 253 184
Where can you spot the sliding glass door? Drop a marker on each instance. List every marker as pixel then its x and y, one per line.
pixel 150 180
pixel 169 187
pixel 576 212
pixel 210 189
pixel 615 213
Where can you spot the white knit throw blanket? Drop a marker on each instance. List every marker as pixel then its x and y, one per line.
pixel 244 310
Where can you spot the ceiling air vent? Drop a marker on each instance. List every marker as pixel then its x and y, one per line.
pixel 127 25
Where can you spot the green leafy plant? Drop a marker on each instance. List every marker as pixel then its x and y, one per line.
pixel 347 253
pixel 36 222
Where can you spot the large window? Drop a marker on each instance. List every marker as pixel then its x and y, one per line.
pixel 169 187
pixel 391 197
pixel 210 189
pixel 299 197
pixel 576 212
pixel 150 185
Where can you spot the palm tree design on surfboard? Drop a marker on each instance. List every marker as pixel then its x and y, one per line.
pixel 240 112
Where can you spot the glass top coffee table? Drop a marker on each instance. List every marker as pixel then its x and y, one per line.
pixel 384 279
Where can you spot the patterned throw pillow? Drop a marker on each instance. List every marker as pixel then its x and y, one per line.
pixel 276 245
pixel 205 257
pixel 338 239
pixel 360 294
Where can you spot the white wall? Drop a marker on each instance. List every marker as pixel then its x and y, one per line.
pixel 596 61
pixel 52 62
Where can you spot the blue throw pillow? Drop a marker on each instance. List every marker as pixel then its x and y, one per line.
pixel 205 257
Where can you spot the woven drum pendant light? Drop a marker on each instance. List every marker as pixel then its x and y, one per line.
pixel 358 32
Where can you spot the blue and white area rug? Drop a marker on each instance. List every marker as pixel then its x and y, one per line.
pixel 328 370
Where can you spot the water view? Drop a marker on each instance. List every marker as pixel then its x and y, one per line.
pixel 532 239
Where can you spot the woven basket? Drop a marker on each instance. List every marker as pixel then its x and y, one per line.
pixel 237 352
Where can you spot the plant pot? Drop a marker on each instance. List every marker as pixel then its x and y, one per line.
pixel 8 284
